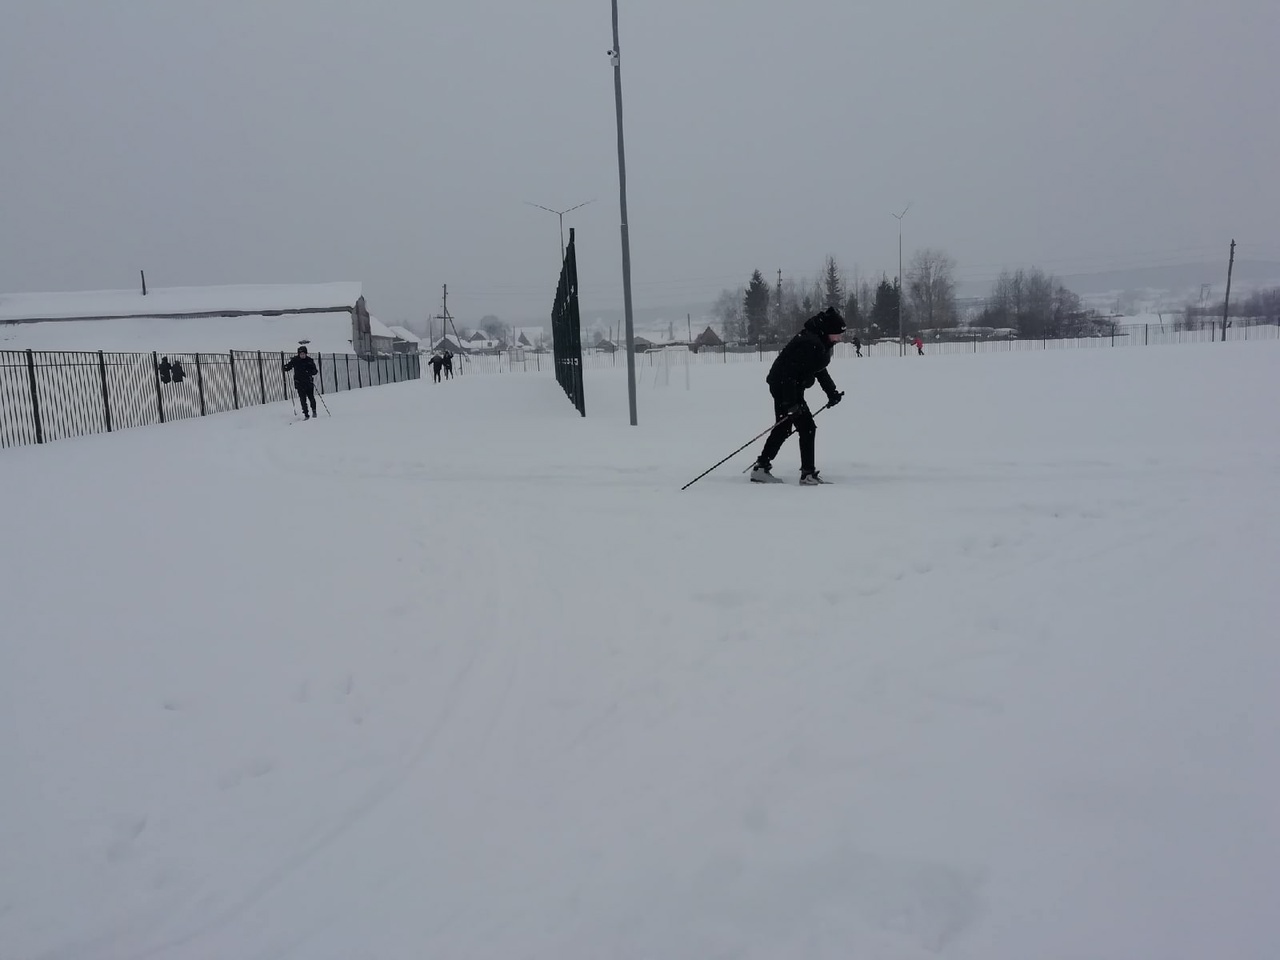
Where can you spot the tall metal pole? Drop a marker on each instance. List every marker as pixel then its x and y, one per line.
pixel 615 55
pixel 1226 303
pixel 902 344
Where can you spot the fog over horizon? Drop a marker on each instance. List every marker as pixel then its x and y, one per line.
pixel 402 144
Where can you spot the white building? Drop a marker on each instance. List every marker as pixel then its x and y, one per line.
pixel 331 316
pixel 406 340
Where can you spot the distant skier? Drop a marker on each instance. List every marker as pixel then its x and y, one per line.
pixel 436 362
pixel 178 373
pixel 304 374
pixel 166 370
pixel 857 346
pixel 919 345
pixel 448 364
pixel 800 363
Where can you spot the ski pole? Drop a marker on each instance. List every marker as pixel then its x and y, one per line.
pixel 323 404
pixel 745 445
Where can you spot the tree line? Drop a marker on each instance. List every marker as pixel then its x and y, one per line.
pixel 1028 301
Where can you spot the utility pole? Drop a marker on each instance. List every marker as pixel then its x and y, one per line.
pixel 902 344
pixel 688 322
pixel 615 56
pixel 446 321
pixel 1226 302
pixel 560 214
pixel 778 289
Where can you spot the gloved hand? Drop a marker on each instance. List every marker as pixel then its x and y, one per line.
pixel 834 397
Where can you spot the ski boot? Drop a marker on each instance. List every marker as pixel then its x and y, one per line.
pixel 810 478
pixel 760 473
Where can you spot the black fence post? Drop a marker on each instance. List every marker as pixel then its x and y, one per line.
pixel 1113 334
pixel 35 398
pixel 106 397
pixel 284 378
pixel 320 371
pixel 200 384
pixel 359 372
pixel 155 363
pixel 262 378
pixel 235 389
pixel 1146 334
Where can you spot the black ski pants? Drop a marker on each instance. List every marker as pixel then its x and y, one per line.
pixel 792 413
pixel 306 391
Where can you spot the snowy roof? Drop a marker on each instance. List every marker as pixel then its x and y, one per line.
pixel 247 299
pixel 379 329
pixel 328 333
pixel 533 335
pixel 406 335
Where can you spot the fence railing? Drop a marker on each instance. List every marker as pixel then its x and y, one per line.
pixel 47 395
pixel 1120 335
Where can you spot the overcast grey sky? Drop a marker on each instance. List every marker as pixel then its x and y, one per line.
pixel 395 141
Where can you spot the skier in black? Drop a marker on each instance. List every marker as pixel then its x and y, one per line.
pixel 857 346
pixel 166 370
pixel 800 363
pixel 304 373
pixel 436 362
pixel 448 364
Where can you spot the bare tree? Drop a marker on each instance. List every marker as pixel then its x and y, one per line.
pixel 728 310
pixel 931 287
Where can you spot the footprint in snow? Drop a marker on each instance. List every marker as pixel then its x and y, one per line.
pixel 252 769
pixel 126 830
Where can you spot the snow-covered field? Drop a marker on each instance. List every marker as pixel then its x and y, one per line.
pixel 456 673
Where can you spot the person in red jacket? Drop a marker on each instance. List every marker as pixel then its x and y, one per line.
pixel 919 345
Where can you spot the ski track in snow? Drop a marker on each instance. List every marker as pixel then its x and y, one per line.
pixel 461 674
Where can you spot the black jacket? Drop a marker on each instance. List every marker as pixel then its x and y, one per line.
pixel 304 369
pixel 804 360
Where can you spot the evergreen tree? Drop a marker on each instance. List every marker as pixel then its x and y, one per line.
pixel 852 315
pixel 884 313
pixel 832 285
pixel 755 304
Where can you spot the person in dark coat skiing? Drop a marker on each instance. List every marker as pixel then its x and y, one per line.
pixel 800 363
pixel 165 370
pixel 304 376
pixel 178 373
pixel 448 364
pixel 857 346
pixel 436 362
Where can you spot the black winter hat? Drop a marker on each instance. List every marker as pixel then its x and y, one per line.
pixel 830 321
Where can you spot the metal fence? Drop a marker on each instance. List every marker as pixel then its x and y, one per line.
pixel 1119 335
pixel 48 395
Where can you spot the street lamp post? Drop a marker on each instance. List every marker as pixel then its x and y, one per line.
pixel 560 214
pixel 902 344
pixel 615 57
